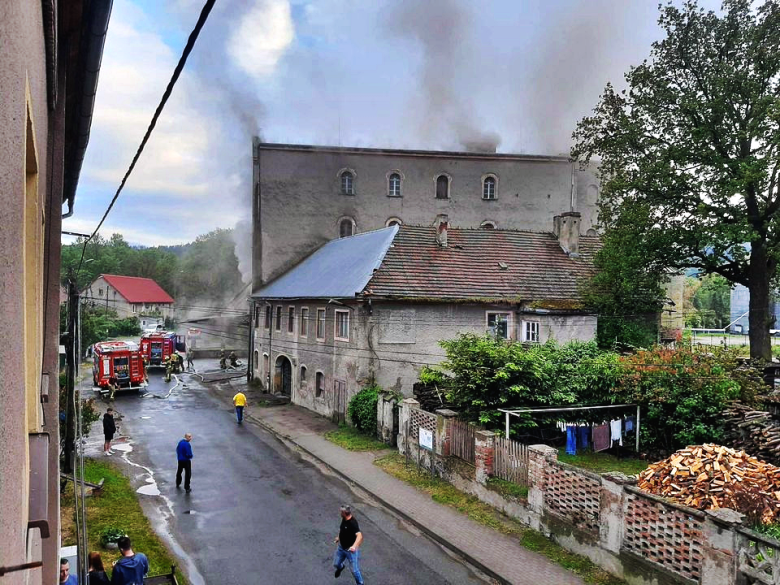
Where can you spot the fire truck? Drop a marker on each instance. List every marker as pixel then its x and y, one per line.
pixel 120 359
pixel 156 347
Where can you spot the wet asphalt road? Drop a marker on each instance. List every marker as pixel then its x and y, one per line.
pixel 259 513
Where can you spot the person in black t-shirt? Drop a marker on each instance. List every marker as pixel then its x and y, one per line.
pixel 349 540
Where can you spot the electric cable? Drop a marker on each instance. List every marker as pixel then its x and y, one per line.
pixel 204 14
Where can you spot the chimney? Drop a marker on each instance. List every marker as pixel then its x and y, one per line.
pixel 567 227
pixel 442 223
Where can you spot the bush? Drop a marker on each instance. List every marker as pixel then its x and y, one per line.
pixel 683 393
pixel 111 534
pixel 362 409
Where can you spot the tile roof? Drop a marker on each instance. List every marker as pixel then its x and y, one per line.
pixel 537 269
pixel 339 269
pixel 138 290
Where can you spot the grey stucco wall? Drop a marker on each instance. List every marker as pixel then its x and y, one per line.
pixel 391 340
pixel 298 201
pixel 22 61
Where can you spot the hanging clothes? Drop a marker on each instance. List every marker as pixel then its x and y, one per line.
pixel 601 437
pixel 571 440
pixel 583 437
pixel 616 431
pixel 630 423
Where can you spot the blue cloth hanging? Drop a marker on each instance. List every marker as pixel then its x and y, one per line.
pixel 583 438
pixel 571 440
pixel 630 423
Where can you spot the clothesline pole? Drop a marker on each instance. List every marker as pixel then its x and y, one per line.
pixel 507 424
pixel 637 428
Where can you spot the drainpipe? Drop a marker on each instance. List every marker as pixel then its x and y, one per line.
pixel 252 325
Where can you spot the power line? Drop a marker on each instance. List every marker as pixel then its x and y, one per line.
pixel 204 13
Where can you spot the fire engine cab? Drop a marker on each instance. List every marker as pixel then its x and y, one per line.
pixel 120 359
pixel 156 347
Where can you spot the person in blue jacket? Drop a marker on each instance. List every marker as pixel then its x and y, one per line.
pixel 184 455
pixel 131 568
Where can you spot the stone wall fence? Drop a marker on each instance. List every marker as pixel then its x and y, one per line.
pixel 642 538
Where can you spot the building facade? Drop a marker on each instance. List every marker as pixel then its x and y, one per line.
pixel 49 65
pixel 131 296
pixel 740 306
pixel 375 305
pixel 305 196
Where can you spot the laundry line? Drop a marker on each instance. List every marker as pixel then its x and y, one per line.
pixel 518 411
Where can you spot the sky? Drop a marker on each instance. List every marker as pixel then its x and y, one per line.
pixel 422 74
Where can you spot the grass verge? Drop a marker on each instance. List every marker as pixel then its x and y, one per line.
pixel 603 462
pixel 445 493
pixel 351 439
pixel 116 507
pixel 507 488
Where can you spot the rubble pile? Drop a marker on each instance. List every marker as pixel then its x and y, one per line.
pixel 711 477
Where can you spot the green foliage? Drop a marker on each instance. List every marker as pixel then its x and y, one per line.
pixel 690 151
pixel 683 393
pixel 362 409
pixel 352 439
pixel 710 302
pixel 626 291
pixel 205 270
pixel 89 414
pixel 98 324
pixel 486 373
pixel 111 534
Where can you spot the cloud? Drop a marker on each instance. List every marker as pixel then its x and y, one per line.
pixel 262 37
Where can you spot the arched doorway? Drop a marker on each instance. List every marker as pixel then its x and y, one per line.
pixel 283 376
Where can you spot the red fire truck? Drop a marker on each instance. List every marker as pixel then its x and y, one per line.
pixel 156 347
pixel 120 359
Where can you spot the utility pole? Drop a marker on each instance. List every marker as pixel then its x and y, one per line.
pixel 251 357
pixel 71 371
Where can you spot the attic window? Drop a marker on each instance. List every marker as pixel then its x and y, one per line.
pixel 503 265
pixel 488 225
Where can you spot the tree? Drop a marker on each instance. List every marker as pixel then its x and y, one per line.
pixel 712 300
pixel 694 143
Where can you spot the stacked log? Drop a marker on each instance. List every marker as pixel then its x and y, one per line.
pixel 430 397
pixel 712 476
pixel 754 431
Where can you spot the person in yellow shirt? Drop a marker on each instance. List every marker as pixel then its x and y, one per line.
pixel 239 401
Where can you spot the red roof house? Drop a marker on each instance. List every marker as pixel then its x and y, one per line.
pixel 129 296
pixel 135 289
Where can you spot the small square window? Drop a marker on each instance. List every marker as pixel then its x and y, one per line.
pixel 498 324
pixel 531 331
pixel 342 325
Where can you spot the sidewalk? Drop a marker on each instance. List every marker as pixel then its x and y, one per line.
pixel 500 556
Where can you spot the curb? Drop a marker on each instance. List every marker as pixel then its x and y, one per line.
pixel 447 544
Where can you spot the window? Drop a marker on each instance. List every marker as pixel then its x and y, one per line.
pixel 342 325
pixel 100 292
pixel 134 306
pixel 498 324
pixel 531 331
pixel 265 363
pixel 489 187
pixel 394 185
pixel 488 225
pixel 320 386
pixel 291 320
pixel 303 373
pixel 320 323
pixel 304 321
pixel 442 187
pixel 278 318
pixel 268 316
pixel 347 183
pixel 257 316
pixel 346 227
pixel 393 221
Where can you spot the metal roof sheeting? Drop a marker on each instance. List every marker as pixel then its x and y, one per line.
pixel 339 269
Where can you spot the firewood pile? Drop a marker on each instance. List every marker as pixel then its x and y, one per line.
pixel 754 431
pixel 711 477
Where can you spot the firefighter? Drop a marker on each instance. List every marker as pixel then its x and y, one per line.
pixel 233 359
pixel 113 386
pixel 168 368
